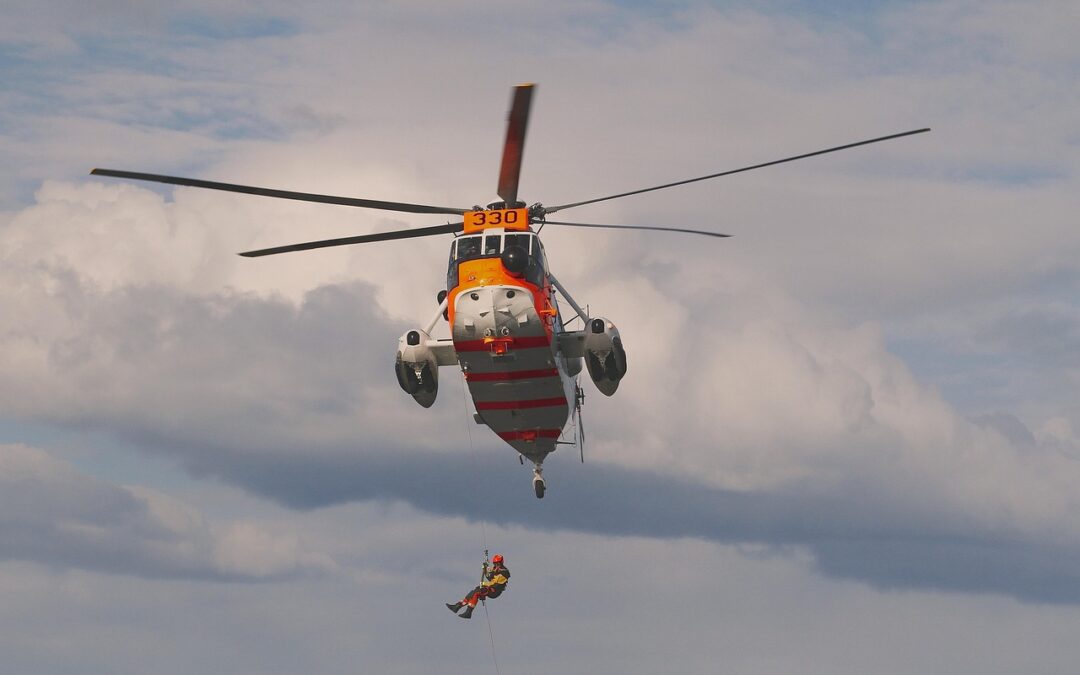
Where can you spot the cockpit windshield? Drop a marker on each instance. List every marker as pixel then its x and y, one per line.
pixel 491 244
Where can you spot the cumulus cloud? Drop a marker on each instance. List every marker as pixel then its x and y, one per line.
pixel 54 515
pixel 788 431
pixel 764 402
pixel 288 399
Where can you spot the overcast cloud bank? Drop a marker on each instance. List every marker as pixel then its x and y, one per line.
pixel 54 515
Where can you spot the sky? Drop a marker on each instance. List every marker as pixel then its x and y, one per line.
pixel 849 436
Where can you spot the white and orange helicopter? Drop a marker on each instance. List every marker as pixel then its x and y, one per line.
pixel 508 335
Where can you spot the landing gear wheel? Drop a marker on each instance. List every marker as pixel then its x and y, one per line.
pixel 538 482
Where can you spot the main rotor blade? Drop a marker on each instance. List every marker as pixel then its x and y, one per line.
pixel 553 209
pixel 510 170
pixel 361 239
pixel 283 194
pixel 637 227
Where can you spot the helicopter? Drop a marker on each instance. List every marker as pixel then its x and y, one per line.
pixel 519 359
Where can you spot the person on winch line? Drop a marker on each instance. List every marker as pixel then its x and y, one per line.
pixel 494 583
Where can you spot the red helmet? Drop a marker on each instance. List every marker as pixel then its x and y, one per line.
pixel 496 558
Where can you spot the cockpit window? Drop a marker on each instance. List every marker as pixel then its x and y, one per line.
pixel 492 244
pixel 538 254
pixel 521 240
pixel 468 247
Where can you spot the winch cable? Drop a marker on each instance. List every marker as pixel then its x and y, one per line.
pixel 483 529
pixel 475 459
pixel 491 636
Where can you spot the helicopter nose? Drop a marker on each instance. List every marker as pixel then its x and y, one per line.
pixel 482 304
pixel 496 310
pixel 486 304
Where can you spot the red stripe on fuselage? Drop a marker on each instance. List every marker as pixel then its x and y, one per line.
pixel 503 376
pixel 529 434
pixel 516 343
pixel 521 405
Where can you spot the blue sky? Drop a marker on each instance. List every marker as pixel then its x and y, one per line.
pixel 847 441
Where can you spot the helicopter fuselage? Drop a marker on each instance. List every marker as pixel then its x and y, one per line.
pixel 517 357
pixel 505 327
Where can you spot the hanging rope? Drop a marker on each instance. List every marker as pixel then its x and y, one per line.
pixel 483 529
pixel 475 459
pixel 491 635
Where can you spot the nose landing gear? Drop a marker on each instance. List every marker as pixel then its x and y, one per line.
pixel 538 482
